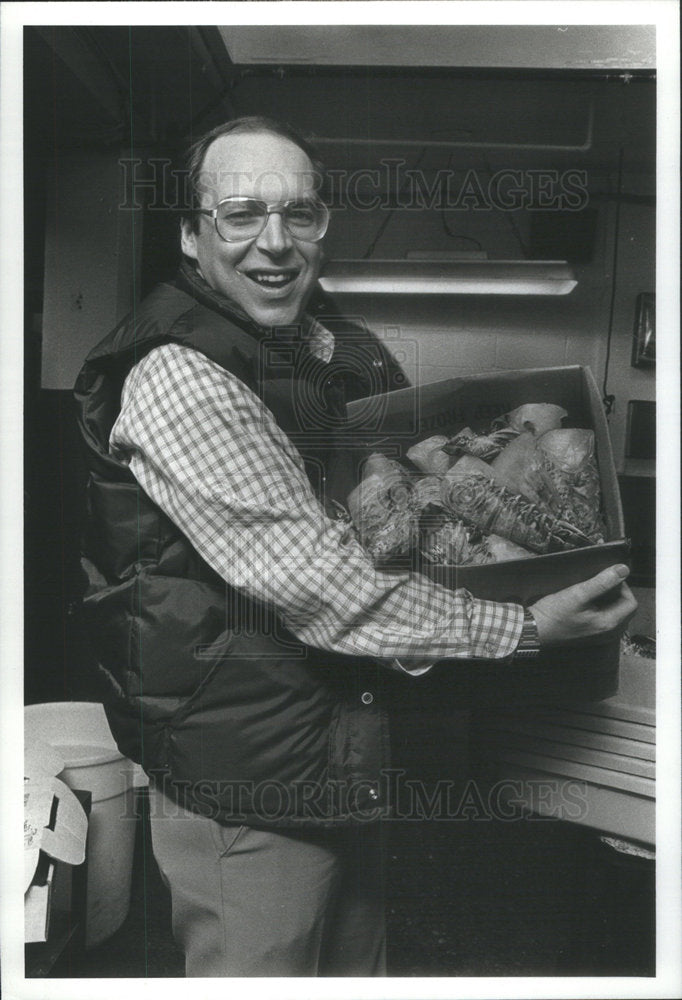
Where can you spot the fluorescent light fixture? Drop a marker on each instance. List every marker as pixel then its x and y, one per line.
pixel 448 277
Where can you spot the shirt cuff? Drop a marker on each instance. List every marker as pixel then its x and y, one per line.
pixel 494 629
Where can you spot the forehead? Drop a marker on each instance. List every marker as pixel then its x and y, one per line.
pixel 259 165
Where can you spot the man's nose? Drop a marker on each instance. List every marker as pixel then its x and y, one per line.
pixel 275 238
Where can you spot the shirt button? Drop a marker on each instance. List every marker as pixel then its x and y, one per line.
pixel 373 794
pixel 367 698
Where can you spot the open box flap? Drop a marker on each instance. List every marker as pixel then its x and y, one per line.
pixel 49 803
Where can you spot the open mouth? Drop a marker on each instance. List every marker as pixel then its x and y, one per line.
pixel 272 279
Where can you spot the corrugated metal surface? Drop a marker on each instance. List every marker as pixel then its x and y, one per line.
pixel 608 747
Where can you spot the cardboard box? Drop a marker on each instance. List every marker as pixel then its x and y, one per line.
pixel 392 423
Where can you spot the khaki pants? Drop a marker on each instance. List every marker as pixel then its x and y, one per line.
pixel 249 902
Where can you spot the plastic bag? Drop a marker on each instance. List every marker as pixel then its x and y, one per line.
pixel 566 457
pixel 383 510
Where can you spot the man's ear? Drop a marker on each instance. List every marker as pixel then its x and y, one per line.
pixel 188 239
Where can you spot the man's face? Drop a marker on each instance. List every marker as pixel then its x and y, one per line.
pixel 272 275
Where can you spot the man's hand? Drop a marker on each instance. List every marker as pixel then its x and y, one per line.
pixel 598 606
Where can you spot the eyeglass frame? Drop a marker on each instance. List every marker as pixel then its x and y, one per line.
pixel 276 208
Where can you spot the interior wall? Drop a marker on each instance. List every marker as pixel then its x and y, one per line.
pixel 461 335
pixel 92 261
pixel 636 273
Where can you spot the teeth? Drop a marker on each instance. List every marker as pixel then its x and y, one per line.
pixel 271 279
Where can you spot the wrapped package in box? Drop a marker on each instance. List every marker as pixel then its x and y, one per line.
pixel 392 423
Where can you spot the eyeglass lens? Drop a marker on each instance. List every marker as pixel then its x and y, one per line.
pixel 242 219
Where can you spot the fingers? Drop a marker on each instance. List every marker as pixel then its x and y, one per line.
pixel 597 607
pixel 602 583
pixel 626 605
pixel 613 615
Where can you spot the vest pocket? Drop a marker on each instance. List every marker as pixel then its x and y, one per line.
pixel 225 837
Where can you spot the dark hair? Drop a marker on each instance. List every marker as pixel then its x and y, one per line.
pixel 196 153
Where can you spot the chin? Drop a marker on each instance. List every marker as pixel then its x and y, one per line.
pixel 279 316
pixel 267 318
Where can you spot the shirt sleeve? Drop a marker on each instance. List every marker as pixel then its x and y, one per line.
pixel 209 453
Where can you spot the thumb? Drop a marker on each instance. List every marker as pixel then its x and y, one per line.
pixel 603 582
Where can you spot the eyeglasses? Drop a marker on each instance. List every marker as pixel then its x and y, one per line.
pixel 238 219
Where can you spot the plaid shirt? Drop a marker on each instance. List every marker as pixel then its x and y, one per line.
pixel 209 453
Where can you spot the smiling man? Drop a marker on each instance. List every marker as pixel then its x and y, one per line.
pixel 242 633
pixel 268 262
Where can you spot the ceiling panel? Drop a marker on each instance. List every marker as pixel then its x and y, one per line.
pixel 586 47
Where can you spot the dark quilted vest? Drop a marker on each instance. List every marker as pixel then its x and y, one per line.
pixel 204 688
